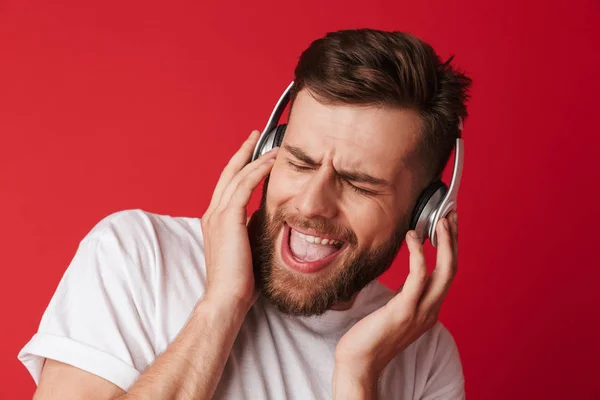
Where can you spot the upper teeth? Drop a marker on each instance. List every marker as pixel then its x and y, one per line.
pixel 318 240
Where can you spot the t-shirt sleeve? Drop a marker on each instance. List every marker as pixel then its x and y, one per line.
pixel 100 318
pixel 445 380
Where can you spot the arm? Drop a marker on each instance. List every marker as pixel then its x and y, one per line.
pixel 190 368
pixel 366 349
pixel 82 384
pixel 351 386
pixel 192 365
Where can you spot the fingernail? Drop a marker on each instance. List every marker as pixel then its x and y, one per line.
pixel 455 217
pixel 413 234
pixel 445 223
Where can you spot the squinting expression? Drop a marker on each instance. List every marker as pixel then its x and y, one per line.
pixel 337 203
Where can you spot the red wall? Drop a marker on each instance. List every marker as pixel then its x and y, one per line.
pixel 113 105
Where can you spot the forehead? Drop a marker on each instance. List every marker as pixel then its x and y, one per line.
pixel 382 140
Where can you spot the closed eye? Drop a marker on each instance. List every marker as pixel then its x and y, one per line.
pixel 360 190
pixel 299 167
pixel 357 189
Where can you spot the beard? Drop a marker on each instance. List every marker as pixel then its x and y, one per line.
pixel 348 273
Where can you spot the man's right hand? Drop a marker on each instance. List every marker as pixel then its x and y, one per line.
pixel 224 228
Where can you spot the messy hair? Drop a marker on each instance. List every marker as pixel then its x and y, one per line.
pixel 389 69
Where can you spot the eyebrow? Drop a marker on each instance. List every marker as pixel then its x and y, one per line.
pixel 354 176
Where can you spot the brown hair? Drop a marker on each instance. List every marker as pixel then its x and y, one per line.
pixel 394 69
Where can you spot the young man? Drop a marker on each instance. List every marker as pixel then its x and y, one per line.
pixel 285 306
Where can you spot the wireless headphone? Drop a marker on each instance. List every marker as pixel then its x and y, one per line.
pixel 436 201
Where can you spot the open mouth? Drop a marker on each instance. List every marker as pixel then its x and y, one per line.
pixel 308 253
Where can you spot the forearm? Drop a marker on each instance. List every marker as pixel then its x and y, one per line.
pixel 349 384
pixel 352 384
pixel 192 365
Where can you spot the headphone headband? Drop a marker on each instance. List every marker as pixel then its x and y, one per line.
pixel 449 201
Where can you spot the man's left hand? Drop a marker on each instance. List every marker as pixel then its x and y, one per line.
pixel 367 348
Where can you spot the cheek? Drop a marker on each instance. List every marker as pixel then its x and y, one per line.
pixel 371 223
pixel 281 187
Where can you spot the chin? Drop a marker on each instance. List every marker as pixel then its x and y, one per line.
pixel 302 279
pixel 296 290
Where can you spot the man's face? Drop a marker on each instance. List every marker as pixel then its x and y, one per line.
pixel 343 174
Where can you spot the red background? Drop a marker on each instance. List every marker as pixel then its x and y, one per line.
pixel 106 106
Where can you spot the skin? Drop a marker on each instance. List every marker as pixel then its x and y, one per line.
pixel 349 166
pixel 376 141
pixel 370 140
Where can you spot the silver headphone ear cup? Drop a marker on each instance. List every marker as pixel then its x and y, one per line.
pixel 426 208
pixel 265 145
pixel 270 141
pixel 279 132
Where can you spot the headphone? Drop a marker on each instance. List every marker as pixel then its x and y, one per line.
pixel 436 201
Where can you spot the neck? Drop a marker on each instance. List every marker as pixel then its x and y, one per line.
pixel 345 305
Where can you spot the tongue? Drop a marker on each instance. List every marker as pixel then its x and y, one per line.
pixel 305 251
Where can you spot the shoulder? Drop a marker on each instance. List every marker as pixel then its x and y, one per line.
pixel 146 252
pixel 146 237
pixel 121 296
pixel 442 373
pixel 139 227
pixel 438 340
pixel 430 368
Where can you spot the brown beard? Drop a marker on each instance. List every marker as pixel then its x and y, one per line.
pixel 304 296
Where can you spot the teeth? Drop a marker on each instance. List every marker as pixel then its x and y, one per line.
pixel 318 240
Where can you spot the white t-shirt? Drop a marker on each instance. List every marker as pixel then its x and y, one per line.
pixel 130 289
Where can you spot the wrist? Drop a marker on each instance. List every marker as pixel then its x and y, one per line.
pixel 354 382
pixel 227 312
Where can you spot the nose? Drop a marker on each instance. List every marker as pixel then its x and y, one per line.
pixel 317 197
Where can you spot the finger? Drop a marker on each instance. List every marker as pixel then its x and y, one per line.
pixel 244 183
pixel 417 276
pixel 241 158
pixel 246 186
pixel 445 268
pixel 235 164
pixel 231 187
pixel 453 218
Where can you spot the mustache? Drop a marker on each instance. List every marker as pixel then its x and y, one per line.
pixel 319 224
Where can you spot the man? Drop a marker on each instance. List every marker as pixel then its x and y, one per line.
pixel 285 306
